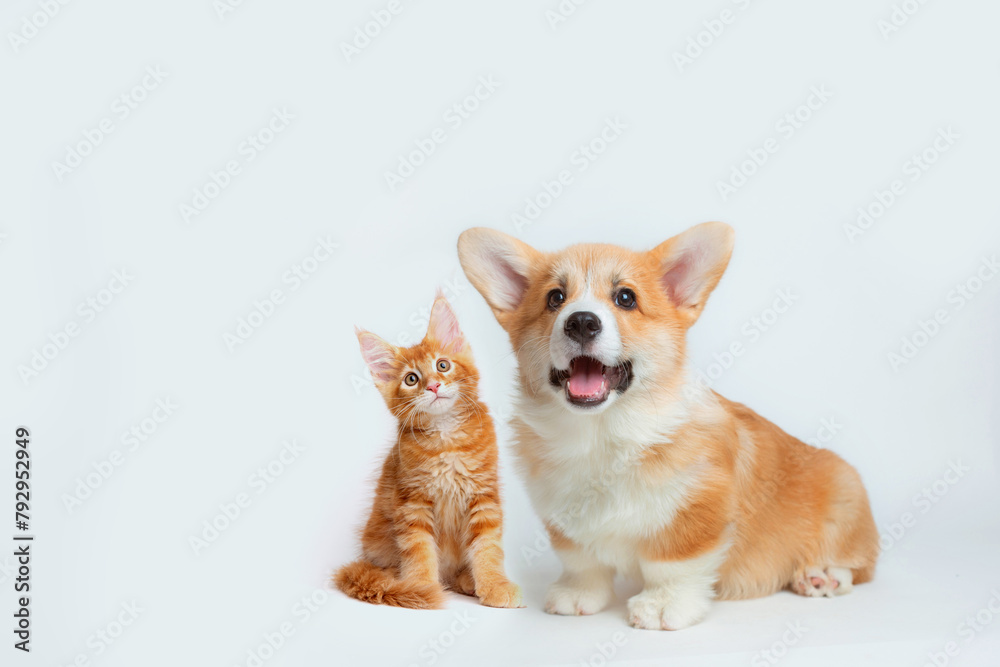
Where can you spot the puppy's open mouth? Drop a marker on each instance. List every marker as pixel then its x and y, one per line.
pixel 588 382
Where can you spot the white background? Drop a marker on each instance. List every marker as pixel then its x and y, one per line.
pixel 299 375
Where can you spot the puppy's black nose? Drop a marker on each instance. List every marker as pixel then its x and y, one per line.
pixel 582 326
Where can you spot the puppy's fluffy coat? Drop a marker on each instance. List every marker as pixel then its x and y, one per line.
pixel 634 466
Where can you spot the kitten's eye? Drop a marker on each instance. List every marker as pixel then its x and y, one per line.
pixel 625 298
pixel 443 364
pixel 556 299
pixel 410 379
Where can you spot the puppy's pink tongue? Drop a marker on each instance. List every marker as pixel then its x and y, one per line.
pixel 586 377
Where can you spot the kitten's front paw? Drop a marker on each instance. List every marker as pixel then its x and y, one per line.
pixel 464 583
pixel 575 599
pixel 503 594
pixel 659 610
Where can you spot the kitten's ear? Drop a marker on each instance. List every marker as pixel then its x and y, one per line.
pixel 498 265
pixel 378 354
pixel 443 326
pixel 691 265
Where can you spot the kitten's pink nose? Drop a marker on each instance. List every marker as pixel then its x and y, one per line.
pixel 433 386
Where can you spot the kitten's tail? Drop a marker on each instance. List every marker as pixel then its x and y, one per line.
pixel 378 585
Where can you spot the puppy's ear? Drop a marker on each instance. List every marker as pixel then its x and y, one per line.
pixel 443 326
pixel 498 266
pixel 379 355
pixel 691 264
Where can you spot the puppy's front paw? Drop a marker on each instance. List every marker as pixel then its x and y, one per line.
pixel 660 610
pixel 576 599
pixel 503 594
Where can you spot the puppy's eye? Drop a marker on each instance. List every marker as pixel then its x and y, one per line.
pixel 625 298
pixel 443 364
pixel 410 379
pixel 556 298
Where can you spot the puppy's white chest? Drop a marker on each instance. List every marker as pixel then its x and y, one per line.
pixel 605 502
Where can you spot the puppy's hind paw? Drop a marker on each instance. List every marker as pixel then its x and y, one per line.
pixel 817 582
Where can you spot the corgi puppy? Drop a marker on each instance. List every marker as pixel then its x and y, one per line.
pixel 634 466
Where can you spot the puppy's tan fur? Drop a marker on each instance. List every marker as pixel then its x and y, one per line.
pixel 774 511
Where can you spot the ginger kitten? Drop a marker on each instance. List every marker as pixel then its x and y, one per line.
pixel 436 520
